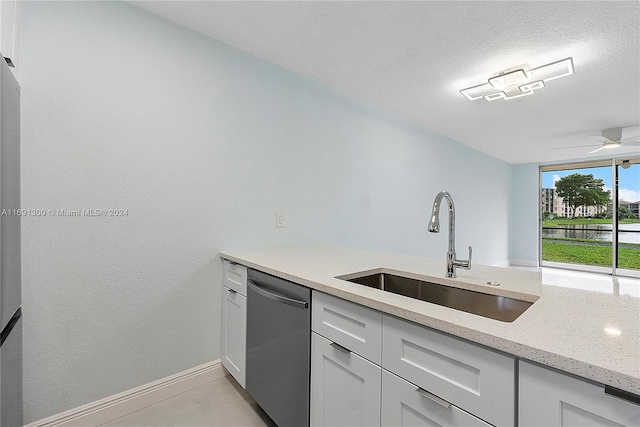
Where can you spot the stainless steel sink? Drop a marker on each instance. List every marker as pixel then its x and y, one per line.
pixel 495 307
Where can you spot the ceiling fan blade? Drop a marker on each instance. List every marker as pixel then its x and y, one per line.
pixel 630 143
pixel 630 139
pixel 600 138
pixel 576 146
pixel 596 150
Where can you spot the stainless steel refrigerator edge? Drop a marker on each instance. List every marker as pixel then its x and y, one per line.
pixel 279 347
pixel 11 405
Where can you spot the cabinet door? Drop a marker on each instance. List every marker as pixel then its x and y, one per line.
pixel 475 379
pixel 405 405
pixel 345 388
pixel 549 398
pixel 233 343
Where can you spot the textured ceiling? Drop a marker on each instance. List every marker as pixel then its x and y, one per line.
pixel 412 58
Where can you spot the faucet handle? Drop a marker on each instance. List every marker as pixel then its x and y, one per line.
pixel 466 264
pixel 462 263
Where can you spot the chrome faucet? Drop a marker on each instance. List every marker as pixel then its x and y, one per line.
pixel 434 227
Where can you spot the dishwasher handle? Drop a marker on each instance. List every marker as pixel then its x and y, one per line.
pixel 277 297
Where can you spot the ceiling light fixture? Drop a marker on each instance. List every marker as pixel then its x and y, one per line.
pixel 518 95
pixel 532 86
pixel 494 96
pixel 519 81
pixel 507 79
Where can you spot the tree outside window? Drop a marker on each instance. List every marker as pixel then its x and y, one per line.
pixel 582 190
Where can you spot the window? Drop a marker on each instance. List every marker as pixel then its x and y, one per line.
pixel 598 224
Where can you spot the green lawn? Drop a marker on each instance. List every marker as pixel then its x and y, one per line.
pixel 572 253
pixel 592 242
pixel 568 221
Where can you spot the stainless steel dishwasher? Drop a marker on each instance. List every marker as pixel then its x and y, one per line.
pixel 279 347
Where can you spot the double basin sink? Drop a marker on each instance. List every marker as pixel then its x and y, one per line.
pixel 495 307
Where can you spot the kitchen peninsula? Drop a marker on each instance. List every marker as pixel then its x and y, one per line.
pixel 590 334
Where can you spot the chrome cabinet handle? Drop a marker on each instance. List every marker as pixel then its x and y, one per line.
pixel 233 291
pixel 440 401
pixel 277 297
pixel 341 348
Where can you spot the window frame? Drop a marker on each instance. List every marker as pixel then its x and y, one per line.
pixel 613 162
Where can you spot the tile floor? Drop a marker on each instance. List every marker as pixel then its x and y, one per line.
pixel 219 403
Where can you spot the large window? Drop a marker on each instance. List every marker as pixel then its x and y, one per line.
pixel 589 216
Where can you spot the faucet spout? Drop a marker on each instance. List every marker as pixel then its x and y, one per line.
pixel 434 227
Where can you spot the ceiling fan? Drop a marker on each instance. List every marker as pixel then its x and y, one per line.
pixel 610 138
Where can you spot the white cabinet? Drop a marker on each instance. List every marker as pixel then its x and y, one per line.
pixel 345 388
pixel 234 276
pixel 474 378
pixel 233 343
pixel 406 405
pixel 550 398
pixel 373 369
pixel 351 325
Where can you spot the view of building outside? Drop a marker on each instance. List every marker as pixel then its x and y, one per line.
pixel 579 229
pixel 553 206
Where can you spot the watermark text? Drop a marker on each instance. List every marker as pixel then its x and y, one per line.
pixel 63 213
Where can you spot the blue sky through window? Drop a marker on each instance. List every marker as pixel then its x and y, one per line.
pixel 629 180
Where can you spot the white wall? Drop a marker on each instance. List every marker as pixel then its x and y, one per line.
pixel 525 196
pixel 202 144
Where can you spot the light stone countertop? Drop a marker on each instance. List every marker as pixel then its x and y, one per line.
pixel 592 333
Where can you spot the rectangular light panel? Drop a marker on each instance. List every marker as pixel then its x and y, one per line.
pixel 508 79
pixel 553 71
pixel 519 81
pixel 520 95
pixel 532 86
pixel 494 96
pixel 477 92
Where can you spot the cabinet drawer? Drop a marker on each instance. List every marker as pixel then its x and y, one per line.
pixel 345 388
pixel 404 404
pixel 234 276
pixel 353 326
pixel 471 377
pixel 550 398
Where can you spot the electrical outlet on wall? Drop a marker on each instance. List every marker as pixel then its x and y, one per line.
pixel 281 219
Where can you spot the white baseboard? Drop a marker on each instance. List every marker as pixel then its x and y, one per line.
pixel 112 407
pixel 523 262
pixel 504 263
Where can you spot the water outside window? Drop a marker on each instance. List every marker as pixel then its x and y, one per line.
pixel 579 206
